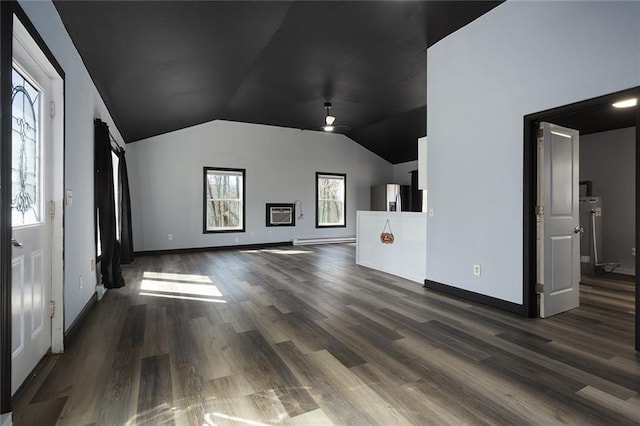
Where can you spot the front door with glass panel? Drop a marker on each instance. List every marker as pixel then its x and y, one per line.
pixel 31 222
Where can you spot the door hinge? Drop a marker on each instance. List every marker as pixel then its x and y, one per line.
pixel 52 308
pixel 539 210
pixel 52 209
pixel 539 288
pixel 52 107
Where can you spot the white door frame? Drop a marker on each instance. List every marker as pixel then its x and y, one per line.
pixel 28 45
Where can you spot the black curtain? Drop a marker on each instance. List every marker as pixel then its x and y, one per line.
pixel 105 208
pixel 126 239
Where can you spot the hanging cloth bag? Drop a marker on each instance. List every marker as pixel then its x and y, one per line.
pixel 386 237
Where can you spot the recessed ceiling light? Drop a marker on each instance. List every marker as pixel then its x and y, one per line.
pixel 627 103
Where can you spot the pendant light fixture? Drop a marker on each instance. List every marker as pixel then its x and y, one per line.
pixel 328 119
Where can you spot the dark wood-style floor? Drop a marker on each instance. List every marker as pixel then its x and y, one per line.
pixel 301 335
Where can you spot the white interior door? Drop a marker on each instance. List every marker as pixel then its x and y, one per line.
pixel 558 219
pixel 31 220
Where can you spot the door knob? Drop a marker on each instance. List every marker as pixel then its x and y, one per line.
pixel 16 243
pixel 578 230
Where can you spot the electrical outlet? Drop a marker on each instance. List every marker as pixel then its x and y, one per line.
pixel 169 237
pixel 237 240
pixel 430 212
pixel 81 282
pixel 476 270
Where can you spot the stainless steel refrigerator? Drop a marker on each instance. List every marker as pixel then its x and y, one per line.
pixel 390 197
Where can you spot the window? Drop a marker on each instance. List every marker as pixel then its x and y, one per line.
pixel 26 202
pixel 330 200
pixel 115 161
pixel 223 199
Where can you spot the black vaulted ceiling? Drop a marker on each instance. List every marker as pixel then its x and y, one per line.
pixel 166 65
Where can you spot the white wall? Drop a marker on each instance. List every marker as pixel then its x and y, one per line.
pixel 402 172
pixel 82 105
pixel 166 178
pixel 608 160
pixel 520 58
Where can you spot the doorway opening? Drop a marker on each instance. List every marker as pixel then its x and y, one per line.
pixel 591 116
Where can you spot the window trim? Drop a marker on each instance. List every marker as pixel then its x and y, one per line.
pixel 344 202
pixel 204 200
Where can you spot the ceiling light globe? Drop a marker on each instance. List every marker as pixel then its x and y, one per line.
pixel 627 103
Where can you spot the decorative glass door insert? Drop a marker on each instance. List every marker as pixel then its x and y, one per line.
pixel 26 203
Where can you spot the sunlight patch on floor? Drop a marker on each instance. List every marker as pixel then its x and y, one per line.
pixel 177 277
pixel 278 251
pixel 210 420
pixel 180 286
pixel 178 296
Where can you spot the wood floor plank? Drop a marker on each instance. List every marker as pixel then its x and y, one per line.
pixel 191 395
pixel 328 395
pixel 156 340
pixel 155 396
pixel 578 359
pixel 318 338
pixel 375 408
pixel 268 320
pixel 559 368
pixel 303 335
pixel 410 403
pixel 386 359
pixel 45 413
pixel 29 394
pixel 120 394
pixel 630 410
pixel 269 373
pixel 480 389
pixel 312 418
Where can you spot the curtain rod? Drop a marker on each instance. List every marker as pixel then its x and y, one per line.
pixel 111 138
pixel 115 141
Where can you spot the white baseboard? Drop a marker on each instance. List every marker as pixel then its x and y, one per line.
pixel 307 241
